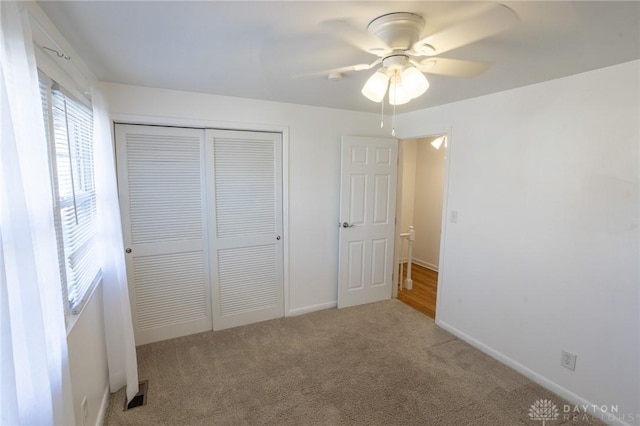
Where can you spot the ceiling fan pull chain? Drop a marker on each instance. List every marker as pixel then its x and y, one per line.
pixel 393 122
pixel 393 119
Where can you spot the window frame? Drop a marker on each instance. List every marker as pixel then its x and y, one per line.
pixel 73 306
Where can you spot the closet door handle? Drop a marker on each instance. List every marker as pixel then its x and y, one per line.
pixel 127 250
pixel 278 238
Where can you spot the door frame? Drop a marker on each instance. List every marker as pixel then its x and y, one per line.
pixel 239 126
pixel 421 133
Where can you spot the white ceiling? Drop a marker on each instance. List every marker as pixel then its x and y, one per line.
pixel 249 49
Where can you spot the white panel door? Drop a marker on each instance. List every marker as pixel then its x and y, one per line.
pixel 367 219
pixel 244 179
pixel 162 189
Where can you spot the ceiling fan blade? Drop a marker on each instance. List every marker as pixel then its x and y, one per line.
pixel 354 36
pixel 496 19
pixel 451 67
pixel 325 73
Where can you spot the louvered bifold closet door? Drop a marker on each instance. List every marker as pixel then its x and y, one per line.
pixel 244 177
pixel 162 194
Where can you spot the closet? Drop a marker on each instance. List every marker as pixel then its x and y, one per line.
pixel 202 225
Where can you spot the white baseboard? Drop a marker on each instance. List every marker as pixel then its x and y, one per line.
pixel 313 308
pixel 422 263
pixel 103 407
pixel 426 264
pixel 546 383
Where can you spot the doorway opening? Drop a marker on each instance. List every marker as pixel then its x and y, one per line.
pixel 421 182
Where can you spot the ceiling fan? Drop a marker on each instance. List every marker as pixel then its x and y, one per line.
pixel 404 54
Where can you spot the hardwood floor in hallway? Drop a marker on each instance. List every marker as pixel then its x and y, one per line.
pixel 425 288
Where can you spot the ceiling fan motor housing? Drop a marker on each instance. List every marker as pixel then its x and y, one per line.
pixel 399 30
pixel 394 63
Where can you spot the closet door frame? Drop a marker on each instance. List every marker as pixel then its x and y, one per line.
pixel 226 125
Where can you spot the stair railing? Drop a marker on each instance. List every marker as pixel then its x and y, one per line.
pixel 410 237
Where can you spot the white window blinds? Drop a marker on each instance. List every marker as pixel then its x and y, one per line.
pixel 69 126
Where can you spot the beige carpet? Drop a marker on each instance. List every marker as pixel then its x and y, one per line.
pixel 378 364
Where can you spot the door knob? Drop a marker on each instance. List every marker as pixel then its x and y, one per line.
pixel 278 238
pixel 347 225
pixel 127 250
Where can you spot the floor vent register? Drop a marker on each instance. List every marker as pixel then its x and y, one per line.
pixel 140 399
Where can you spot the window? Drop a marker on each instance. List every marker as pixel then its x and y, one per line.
pixel 69 129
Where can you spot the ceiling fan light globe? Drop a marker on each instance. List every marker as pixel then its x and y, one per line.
pixel 398 94
pixel 376 86
pixel 398 99
pixel 414 82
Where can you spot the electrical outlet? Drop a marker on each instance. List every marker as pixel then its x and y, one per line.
pixel 568 360
pixel 85 411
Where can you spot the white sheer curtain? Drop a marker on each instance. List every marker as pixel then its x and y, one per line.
pixel 121 350
pixel 35 387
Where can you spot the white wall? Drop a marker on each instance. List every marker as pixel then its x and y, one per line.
pixel 407 171
pixel 427 212
pixel 314 173
pixel 88 361
pixel 545 253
